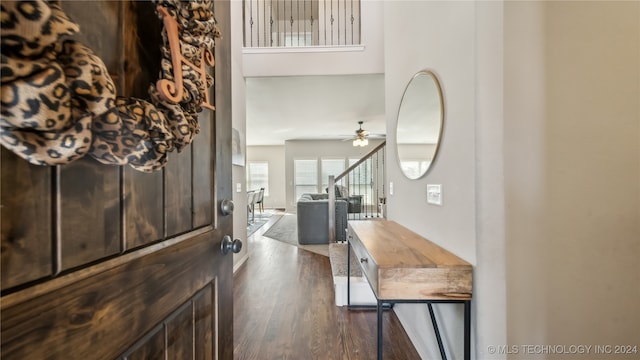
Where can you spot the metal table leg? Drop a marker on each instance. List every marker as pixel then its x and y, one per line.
pixel 467 330
pixel 348 274
pixel 380 307
pixel 437 331
pixel 379 330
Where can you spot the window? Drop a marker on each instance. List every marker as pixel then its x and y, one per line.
pixel 306 176
pixel 297 39
pixel 258 176
pixel 331 167
pixel 414 168
pixel 366 180
pixel 360 175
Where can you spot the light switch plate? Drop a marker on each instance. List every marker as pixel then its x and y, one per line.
pixel 434 194
pixel 238 187
pixel 390 187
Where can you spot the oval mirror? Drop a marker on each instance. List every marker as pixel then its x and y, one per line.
pixel 419 125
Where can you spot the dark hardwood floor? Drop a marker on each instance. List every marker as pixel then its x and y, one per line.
pixel 284 308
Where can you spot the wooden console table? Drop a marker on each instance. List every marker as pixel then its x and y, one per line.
pixel 404 267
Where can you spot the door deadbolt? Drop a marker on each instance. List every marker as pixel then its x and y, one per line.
pixel 226 207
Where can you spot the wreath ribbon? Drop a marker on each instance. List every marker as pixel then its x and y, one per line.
pixel 59 102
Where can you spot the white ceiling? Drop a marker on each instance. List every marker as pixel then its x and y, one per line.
pixel 313 107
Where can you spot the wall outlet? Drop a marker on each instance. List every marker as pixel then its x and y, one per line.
pixel 239 187
pixel 434 194
pixel 390 187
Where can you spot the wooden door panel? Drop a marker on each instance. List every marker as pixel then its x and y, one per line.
pixel 90 266
pixel 151 347
pixel 26 218
pixel 204 310
pixel 109 38
pixel 222 167
pixel 190 324
pixel 74 316
pixel 178 192
pixel 179 328
pixel 89 213
pixel 143 207
pixel 202 181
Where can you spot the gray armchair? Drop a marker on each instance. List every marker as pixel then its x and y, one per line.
pixel 313 219
pixel 354 201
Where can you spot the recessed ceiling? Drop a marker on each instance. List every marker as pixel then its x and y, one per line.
pixel 313 107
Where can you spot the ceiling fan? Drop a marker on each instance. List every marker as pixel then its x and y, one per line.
pixel 362 136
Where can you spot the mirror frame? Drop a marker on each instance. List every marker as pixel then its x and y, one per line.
pixel 436 81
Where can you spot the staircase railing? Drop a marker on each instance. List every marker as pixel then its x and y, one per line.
pixel 301 23
pixel 362 186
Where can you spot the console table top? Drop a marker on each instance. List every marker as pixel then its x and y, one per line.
pixel 400 264
pixel 393 245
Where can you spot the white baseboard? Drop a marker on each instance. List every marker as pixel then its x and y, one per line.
pixel 361 293
pixel 240 262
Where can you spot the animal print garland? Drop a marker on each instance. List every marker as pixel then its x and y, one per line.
pixel 59 102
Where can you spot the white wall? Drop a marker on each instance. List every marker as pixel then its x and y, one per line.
pixel 274 155
pixel 540 168
pixel 489 303
pixel 238 113
pixel 572 174
pixel 438 36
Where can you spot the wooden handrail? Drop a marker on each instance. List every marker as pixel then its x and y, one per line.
pixel 364 158
pixel 332 190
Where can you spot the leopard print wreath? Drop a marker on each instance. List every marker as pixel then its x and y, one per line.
pixel 59 102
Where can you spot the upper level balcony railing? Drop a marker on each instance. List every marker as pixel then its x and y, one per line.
pixel 301 23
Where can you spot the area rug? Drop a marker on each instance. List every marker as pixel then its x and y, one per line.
pixel 254 226
pixel 258 216
pixel 338 258
pixel 259 219
pixel 286 230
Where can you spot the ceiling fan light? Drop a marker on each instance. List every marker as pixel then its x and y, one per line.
pixel 360 142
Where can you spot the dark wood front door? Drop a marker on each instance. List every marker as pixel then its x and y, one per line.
pixel 105 262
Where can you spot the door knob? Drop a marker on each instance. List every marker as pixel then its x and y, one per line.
pixel 230 245
pixel 226 207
